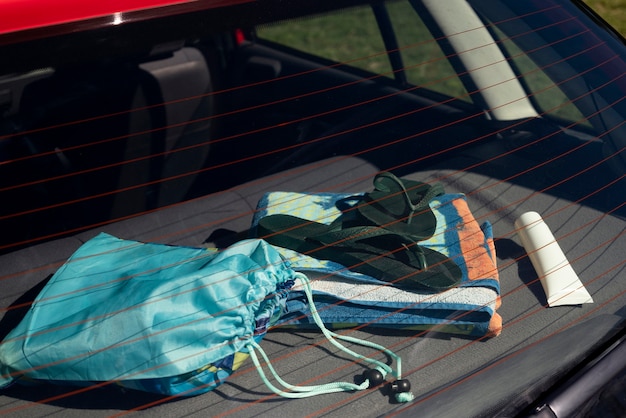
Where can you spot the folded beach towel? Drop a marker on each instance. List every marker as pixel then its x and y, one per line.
pixel 346 298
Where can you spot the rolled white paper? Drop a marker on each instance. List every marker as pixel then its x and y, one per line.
pixel 558 278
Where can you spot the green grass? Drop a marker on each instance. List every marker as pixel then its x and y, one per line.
pixel 613 11
pixel 352 37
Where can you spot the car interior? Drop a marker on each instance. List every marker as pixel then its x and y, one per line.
pixel 174 130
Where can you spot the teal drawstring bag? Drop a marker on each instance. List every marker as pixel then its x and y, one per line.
pixel 163 319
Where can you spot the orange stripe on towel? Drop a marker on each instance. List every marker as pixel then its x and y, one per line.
pixel 495 326
pixel 481 264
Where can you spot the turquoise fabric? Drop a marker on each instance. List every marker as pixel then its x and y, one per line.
pixel 148 316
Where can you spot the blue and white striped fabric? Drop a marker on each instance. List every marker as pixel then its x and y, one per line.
pixel 346 298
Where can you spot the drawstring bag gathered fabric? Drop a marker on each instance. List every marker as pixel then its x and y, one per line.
pixel 164 319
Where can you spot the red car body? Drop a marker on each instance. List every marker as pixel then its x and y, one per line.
pixel 38 18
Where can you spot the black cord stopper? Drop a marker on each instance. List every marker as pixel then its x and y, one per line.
pixel 374 376
pixel 400 386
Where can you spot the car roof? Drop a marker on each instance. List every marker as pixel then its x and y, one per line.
pixel 38 18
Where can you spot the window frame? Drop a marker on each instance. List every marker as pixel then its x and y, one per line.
pixel 399 80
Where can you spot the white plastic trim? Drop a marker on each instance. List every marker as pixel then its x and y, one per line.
pixel 487 66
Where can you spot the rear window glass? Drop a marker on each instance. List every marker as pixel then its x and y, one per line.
pixel 425 64
pixel 352 36
pixel 349 36
pixel 545 93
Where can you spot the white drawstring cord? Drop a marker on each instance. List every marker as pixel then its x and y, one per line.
pixel 401 390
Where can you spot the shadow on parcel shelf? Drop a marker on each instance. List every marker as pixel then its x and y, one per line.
pixel 112 302
pixel 191 223
pixel 346 298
